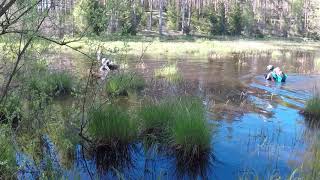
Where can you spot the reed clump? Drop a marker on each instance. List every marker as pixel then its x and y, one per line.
pixel 51 83
pixel 122 83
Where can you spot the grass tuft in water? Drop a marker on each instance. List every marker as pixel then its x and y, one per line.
pixel 181 120
pixel 52 84
pixel 169 72
pixel 121 83
pixel 110 124
pixel 156 117
pixel 191 133
pixel 312 109
pixel 114 134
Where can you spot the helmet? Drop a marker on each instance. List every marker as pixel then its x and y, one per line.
pixel 270 67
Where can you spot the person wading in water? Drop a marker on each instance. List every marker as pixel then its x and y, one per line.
pixel 275 74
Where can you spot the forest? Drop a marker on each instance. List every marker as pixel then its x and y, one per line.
pixel 256 18
pixel 160 89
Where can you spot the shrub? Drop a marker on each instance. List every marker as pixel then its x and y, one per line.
pixel 121 83
pixel 110 124
pixel 91 14
pixel 11 110
pixel 7 155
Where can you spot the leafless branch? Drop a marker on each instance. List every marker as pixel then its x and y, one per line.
pixel 19 58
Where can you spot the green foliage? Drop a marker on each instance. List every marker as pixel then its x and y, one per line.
pixel 219 21
pixel 202 23
pixel 312 108
pixel 12 107
pixel 183 121
pixel 111 123
pixel 235 21
pixel 247 18
pixel 121 83
pixel 169 72
pixel 156 117
pixel 297 8
pixel 52 84
pixel 173 17
pixel 7 155
pixel 191 134
pixel 90 15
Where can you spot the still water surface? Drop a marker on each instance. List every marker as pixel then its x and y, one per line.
pixel 259 130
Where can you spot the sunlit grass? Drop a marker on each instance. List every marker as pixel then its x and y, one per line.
pixel 198 47
pixel 169 72
pixel 121 83
pixel 191 133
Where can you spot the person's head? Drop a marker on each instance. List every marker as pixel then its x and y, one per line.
pixel 270 67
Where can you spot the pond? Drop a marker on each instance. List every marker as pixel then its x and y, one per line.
pixel 259 131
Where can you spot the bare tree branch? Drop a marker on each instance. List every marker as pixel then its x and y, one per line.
pixel 6 7
pixel 19 58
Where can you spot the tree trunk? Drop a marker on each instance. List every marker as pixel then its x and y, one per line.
pixel 189 13
pixel 183 10
pixel 160 16
pixel 150 17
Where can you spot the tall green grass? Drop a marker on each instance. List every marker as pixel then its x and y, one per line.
pixel 169 72
pixel 110 124
pixel 312 108
pixel 183 122
pixel 53 84
pixel 121 83
pixel 156 117
pixel 190 133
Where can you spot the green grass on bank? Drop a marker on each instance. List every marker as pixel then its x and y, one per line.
pixel 178 46
pixel 194 47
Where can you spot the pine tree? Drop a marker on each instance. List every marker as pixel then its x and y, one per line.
pixel 235 21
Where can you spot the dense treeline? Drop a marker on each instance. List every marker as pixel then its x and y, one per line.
pixel 257 18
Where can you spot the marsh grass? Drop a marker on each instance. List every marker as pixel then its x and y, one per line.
pixel 182 122
pixel 199 46
pixel 111 124
pixel 191 133
pixel 52 84
pixel 312 109
pixel 169 72
pixel 156 116
pixel 121 83
pixel 313 165
pixel 114 133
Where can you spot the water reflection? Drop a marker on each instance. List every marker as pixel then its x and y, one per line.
pixel 260 130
